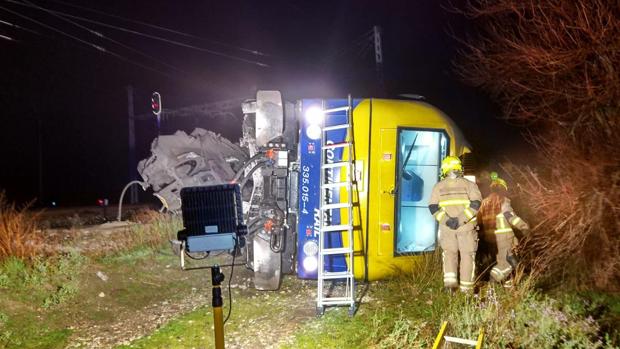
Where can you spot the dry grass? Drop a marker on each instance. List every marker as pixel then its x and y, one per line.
pixel 155 229
pixel 407 311
pixel 151 230
pixel 146 216
pixel 18 231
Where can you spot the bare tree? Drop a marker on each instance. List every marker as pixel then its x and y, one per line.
pixel 554 66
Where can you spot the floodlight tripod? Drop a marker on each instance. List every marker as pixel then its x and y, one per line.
pixel 217 277
pixel 218 317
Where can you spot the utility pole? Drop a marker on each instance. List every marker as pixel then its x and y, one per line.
pixel 133 190
pixel 378 57
pixel 40 157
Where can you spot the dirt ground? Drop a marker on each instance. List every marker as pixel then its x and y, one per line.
pixel 138 299
pixel 265 331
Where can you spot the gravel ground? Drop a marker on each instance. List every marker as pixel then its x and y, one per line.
pixel 266 331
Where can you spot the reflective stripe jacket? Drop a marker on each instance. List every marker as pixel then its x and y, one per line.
pixel 457 198
pixel 507 218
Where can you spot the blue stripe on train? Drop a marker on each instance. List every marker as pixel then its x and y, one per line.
pixel 309 187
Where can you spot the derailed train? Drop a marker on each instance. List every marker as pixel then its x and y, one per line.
pixel 397 145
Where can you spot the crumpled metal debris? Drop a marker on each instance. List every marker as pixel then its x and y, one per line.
pixel 181 160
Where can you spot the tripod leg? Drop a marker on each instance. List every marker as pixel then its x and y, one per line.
pixel 218 326
pixel 218 318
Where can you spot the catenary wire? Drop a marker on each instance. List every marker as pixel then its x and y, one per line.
pixel 82 47
pixel 101 35
pixel 174 31
pixel 85 42
pixel 360 40
pixel 150 36
pixel 19 27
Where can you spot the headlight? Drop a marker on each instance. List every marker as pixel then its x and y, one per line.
pixel 311 248
pixel 310 263
pixel 314 115
pixel 313 131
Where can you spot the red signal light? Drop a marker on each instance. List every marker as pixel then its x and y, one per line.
pixel 156 103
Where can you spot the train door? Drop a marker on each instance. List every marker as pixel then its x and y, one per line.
pixel 418 166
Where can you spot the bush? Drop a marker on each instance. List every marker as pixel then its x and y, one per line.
pixel 523 319
pixel 553 66
pixel 572 199
pixel 19 237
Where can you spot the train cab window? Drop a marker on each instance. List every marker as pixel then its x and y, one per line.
pixel 419 163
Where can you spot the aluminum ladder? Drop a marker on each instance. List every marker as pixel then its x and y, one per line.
pixel 327 295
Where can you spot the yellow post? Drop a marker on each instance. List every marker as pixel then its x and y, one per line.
pixel 218 319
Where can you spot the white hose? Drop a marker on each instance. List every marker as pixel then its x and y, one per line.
pixel 144 186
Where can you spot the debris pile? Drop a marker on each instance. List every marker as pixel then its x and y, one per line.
pixel 181 160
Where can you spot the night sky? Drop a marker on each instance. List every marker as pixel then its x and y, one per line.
pixel 63 104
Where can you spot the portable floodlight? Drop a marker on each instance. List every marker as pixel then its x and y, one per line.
pixel 212 218
pixel 213 221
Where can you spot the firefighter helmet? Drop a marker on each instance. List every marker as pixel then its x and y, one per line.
pixel 451 163
pixel 497 182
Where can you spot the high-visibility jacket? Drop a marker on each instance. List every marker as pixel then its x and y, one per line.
pixel 457 198
pixel 507 218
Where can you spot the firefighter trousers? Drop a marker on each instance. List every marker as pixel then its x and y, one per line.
pixel 454 243
pixel 502 269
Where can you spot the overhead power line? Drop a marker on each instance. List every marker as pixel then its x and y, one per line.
pixel 85 42
pixel 6 38
pixel 174 31
pixel 18 27
pixel 361 41
pixel 150 36
pixel 101 35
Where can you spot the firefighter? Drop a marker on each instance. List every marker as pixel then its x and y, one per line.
pixel 454 203
pixel 498 219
